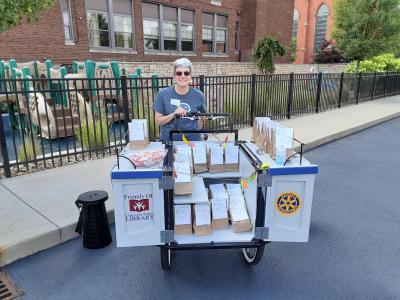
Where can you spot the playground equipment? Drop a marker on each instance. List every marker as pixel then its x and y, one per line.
pixel 51 102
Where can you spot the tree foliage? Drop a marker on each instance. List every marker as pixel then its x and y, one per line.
pixel 366 28
pixel 328 54
pixel 266 50
pixel 12 11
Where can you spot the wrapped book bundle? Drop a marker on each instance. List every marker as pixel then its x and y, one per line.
pixel 273 138
pixel 238 209
pixel 138 134
pixel 216 158
pixel 231 158
pixel 202 219
pixel 219 209
pixel 183 219
pixel 200 158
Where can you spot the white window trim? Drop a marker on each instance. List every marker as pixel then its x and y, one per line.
pixel 110 17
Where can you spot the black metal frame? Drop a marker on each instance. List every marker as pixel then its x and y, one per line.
pixel 169 199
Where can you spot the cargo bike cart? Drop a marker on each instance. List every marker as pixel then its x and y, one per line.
pixel 279 201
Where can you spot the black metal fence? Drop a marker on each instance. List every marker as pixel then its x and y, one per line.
pixel 46 123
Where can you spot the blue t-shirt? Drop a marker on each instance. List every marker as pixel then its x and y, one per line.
pixel 166 103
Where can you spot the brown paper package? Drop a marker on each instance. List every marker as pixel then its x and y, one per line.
pixel 200 229
pixel 135 145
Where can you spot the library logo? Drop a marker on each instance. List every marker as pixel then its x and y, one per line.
pixel 288 204
pixel 139 205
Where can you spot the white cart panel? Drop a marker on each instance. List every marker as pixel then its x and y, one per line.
pixel 288 207
pixel 139 211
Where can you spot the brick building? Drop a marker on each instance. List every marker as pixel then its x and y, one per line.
pixel 312 24
pixel 136 30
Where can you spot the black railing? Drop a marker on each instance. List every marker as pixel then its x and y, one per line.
pixel 50 122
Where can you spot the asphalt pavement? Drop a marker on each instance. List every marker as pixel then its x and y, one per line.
pixel 353 251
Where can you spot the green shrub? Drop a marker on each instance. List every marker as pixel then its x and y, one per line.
pixel 31 149
pixel 380 63
pixel 264 53
pixel 94 133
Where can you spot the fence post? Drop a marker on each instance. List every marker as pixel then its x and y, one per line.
pixel 397 81
pixel 341 89
pixel 290 95
pixel 319 86
pixel 124 88
pixel 253 99
pixel 202 83
pixel 373 87
pixel 4 152
pixel 386 82
pixel 358 87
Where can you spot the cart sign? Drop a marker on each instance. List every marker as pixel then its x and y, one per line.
pixel 288 204
pixel 139 205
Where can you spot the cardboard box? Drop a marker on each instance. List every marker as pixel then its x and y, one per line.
pixel 183 188
pixel 135 145
pixel 183 219
pixel 202 219
pixel 242 226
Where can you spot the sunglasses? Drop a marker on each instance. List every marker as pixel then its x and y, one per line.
pixel 179 73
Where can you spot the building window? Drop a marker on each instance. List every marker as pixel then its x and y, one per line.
pixel 170 26
pixel 320 28
pixel 122 16
pixel 221 36
pixel 237 37
pixel 151 26
pixel 187 30
pixel 214 33
pixel 295 23
pixel 167 28
pixel 67 20
pixel 110 23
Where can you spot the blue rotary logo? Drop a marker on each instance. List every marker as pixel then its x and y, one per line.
pixel 288 204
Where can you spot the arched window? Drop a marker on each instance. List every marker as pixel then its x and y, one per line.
pixel 295 23
pixel 320 27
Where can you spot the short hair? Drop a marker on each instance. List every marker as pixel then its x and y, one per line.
pixel 182 63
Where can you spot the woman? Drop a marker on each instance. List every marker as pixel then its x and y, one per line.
pixel 179 100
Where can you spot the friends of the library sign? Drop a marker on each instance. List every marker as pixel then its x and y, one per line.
pixel 139 207
pixel 288 204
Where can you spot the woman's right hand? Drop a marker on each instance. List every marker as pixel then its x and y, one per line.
pixel 180 112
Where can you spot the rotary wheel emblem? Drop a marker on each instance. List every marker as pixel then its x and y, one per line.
pixel 288 204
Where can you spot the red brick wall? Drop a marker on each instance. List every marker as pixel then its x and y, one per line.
pixel 306 30
pixel 45 38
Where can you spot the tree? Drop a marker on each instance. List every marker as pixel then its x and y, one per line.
pixel 12 11
pixel 328 54
pixel 366 28
pixel 266 50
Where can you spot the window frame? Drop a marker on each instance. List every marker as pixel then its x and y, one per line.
pixel 316 49
pixel 111 27
pixel 71 30
pixel 178 23
pixel 214 29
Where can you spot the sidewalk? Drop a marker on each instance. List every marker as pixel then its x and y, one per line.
pixel 37 211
